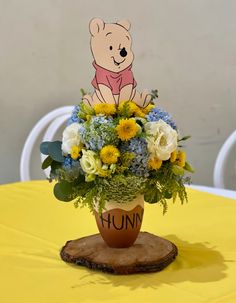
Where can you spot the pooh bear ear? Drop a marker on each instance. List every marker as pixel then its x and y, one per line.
pixel 95 26
pixel 125 23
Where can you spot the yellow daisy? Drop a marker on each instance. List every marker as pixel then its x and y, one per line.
pixel 148 108
pixel 139 113
pixel 127 129
pixel 155 163
pixel 105 108
pixel 109 154
pixel 75 152
pixel 181 158
pixel 173 156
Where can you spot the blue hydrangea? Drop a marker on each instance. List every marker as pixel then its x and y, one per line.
pixel 139 165
pixel 98 132
pixel 157 114
pixel 74 116
pixel 72 165
pixel 67 163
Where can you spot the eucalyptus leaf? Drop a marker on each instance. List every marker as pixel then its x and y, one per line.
pixel 152 195
pixel 63 191
pixel 47 162
pixel 55 152
pixel 44 147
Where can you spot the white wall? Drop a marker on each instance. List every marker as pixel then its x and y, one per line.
pixel 185 48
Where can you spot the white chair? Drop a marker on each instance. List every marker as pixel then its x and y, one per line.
pixel 221 161
pixel 55 119
pixel 215 191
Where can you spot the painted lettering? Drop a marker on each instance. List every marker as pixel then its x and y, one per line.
pixel 139 218
pixel 122 222
pixel 114 224
pixel 128 221
pixel 108 220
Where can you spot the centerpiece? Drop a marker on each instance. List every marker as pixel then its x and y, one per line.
pixel 112 159
pixel 118 149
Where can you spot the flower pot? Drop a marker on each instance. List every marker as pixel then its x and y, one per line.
pixel 119 224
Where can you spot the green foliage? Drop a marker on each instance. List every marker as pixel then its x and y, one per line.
pixel 85 110
pixel 124 112
pixel 64 191
pixel 164 185
pixel 56 167
pixel 152 194
pixel 47 162
pixel 177 170
pixel 83 92
pixel 188 167
pixel 54 151
pixel 120 185
pixel 120 188
pixel 44 147
pixel 184 138
pixel 154 94
pixel 87 198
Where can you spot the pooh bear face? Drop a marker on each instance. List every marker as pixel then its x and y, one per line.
pixel 111 44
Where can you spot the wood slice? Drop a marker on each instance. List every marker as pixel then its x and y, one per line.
pixel 148 254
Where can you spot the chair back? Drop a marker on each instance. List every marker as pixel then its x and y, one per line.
pixel 221 161
pixel 53 120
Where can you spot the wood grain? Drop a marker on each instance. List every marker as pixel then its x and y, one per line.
pixel 149 253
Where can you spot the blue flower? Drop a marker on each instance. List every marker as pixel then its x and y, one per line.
pixel 72 165
pixel 74 116
pixel 139 165
pixel 67 163
pixel 98 132
pixel 157 114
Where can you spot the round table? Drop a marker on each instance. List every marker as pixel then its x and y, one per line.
pixel 34 226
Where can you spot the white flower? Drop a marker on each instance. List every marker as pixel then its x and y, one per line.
pixel 162 139
pixel 90 162
pixel 71 137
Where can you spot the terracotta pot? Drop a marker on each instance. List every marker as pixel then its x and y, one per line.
pixel 120 223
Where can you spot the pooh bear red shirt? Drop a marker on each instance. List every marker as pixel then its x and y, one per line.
pixel 115 81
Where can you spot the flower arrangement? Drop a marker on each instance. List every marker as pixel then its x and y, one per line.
pixel 116 153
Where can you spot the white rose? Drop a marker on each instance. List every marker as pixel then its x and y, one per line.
pixel 90 162
pixel 162 139
pixel 71 137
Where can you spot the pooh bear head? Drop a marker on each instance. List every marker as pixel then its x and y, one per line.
pixel 111 44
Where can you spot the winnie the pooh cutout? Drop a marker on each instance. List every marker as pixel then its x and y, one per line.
pixel 113 57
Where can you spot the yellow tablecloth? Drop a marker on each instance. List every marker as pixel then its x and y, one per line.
pixel 34 226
